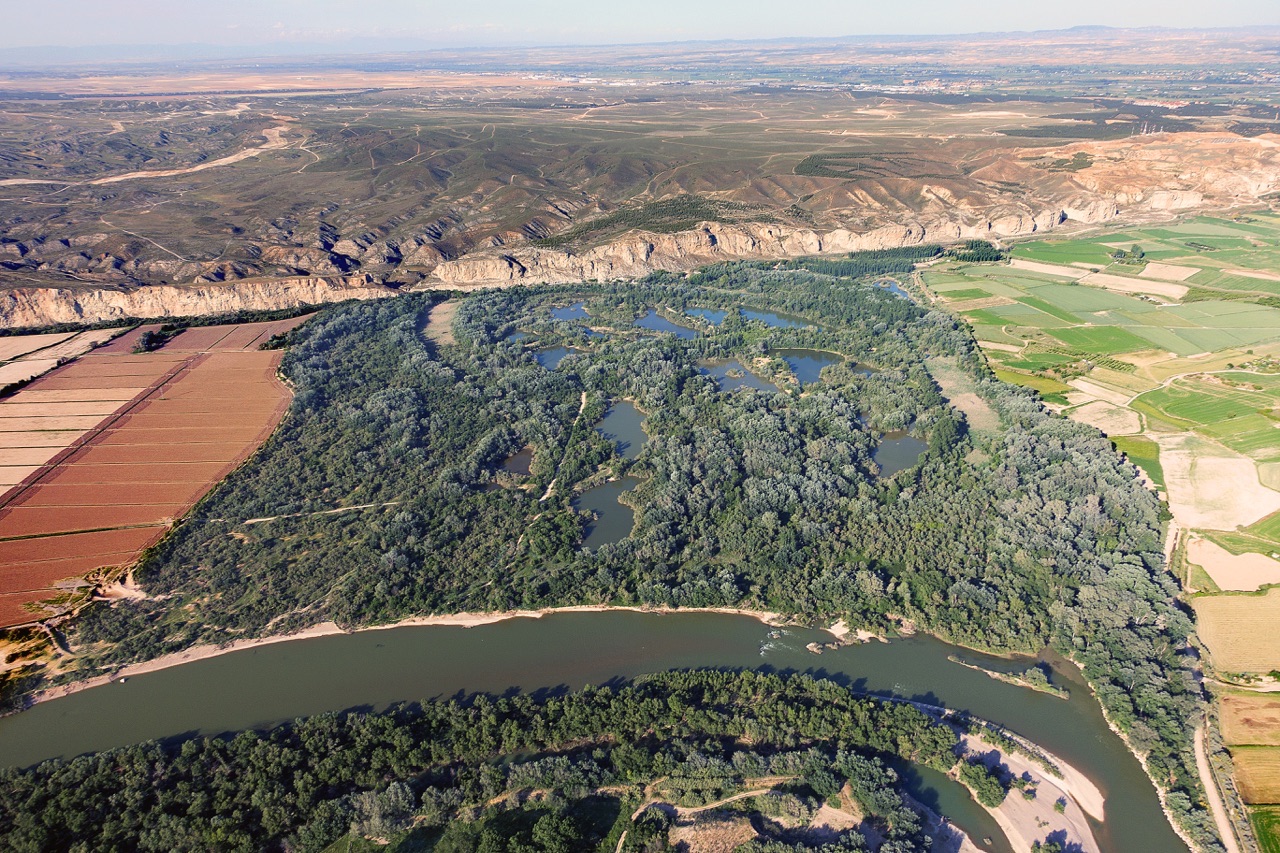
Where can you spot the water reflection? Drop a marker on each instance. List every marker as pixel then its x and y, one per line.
pixel 655 322
pixel 613 519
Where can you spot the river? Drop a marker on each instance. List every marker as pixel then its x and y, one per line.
pixel 270 684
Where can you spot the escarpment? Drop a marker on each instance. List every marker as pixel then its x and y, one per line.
pixel 44 306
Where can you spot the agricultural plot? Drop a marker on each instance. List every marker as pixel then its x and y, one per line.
pixel 157 430
pixel 1258 773
pixel 1250 719
pixel 1266 828
pixel 1240 630
pixel 1144 453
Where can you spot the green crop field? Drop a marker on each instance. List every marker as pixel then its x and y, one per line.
pixel 1075 251
pixel 1266 827
pixel 1102 340
pixel 1144 453
pixel 966 293
pixel 1039 383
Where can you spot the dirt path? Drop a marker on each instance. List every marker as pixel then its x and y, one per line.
pixel 1215 800
pixel 275 142
pixel 582 407
pixel 756 792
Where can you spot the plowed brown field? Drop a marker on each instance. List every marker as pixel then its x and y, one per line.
pixel 116 446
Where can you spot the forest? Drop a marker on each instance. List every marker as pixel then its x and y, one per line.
pixel 1031 534
pixel 551 773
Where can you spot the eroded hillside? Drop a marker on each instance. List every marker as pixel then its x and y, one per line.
pixel 532 181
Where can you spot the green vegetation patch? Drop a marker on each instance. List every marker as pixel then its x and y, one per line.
pixel 965 293
pixel 1043 384
pixel 1144 453
pixel 737 501
pixel 557 773
pixel 1266 827
pixel 1100 340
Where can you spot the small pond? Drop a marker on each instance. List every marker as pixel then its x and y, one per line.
pixel 897 452
pixel 892 287
pixel 519 462
pixel 576 311
pixel 807 364
pixel 713 316
pixel 624 425
pixel 613 519
pixel 655 322
pixel 730 375
pixel 551 357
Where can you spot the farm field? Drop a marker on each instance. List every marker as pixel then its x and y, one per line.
pixel 1173 351
pixel 107 452
pixel 1266 828
pixel 1258 774
pixel 1186 380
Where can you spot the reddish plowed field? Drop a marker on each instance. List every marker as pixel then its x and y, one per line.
pixel 17 552
pixel 139 475
pixel 125 343
pixel 107 454
pixel 81 423
pixel 198 339
pixel 228 408
pixel 118 367
pixel 181 435
pixel 21 456
pixel 134 472
pixel 72 383
pixel 15 409
pixel 12 611
pixel 42 576
pixel 39 438
pixel 39 520
pixel 105 494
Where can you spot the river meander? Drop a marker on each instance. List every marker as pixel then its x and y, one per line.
pixel 264 686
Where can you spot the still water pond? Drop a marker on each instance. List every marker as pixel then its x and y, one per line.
pixel 730 375
pixel 613 519
pixel 519 462
pixel 892 287
pixel 807 364
pixel 551 357
pixel 655 322
pixel 624 426
pixel 271 684
pixel 897 452
pixel 576 311
pixel 712 315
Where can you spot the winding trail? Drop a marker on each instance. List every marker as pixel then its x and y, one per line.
pixel 275 142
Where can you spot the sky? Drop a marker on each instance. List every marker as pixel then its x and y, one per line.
pixel 484 23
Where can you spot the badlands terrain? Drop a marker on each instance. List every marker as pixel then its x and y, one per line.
pixel 135 194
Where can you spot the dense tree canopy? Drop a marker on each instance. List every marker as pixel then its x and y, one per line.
pixel 462 772
pixel 1015 537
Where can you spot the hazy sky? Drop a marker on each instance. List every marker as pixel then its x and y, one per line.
pixel 496 22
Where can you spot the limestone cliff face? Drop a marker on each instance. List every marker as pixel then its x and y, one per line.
pixel 43 306
pixel 640 254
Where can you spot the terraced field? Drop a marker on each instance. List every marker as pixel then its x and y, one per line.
pixel 118 446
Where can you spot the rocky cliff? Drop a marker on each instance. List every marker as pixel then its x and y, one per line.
pixel 44 306
pixel 711 242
